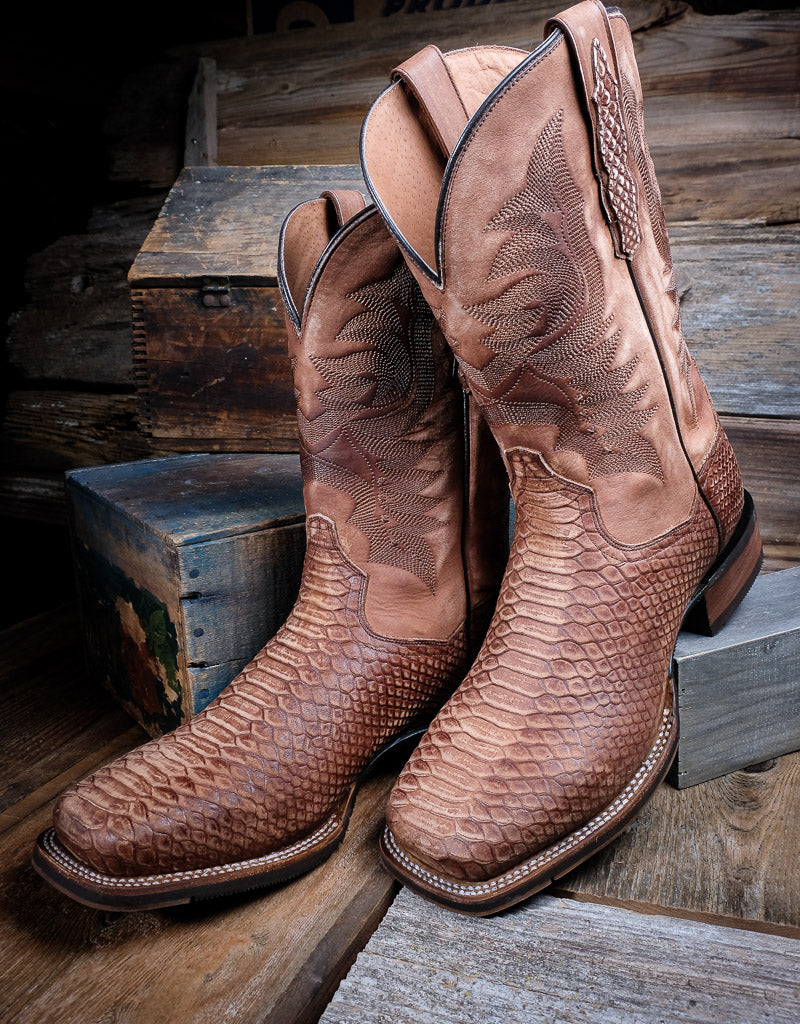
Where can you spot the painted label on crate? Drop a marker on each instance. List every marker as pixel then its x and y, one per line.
pixel 132 644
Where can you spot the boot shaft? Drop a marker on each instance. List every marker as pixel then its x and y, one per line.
pixel 381 421
pixel 540 243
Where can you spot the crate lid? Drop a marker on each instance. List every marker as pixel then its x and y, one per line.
pixel 225 222
pixel 197 497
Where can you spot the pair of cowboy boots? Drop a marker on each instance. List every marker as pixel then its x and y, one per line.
pixel 513 271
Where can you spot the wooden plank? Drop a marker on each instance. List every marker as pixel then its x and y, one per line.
pixel 557 960
pixel 145 123
pixel 191 499
pixel 200 145
pixel 119 744
pixel 740 306
pixel 146 118
pixel 31 495
pixel 76 324
pixel 52 714
pixel 214 372
pixel 768 452
pixel 725 851
pixel 752 664
pixel 62 429
pixel 719 97
pixel 272 955
pixel 225 221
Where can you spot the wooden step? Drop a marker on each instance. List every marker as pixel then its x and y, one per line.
pixel 560 960
pixel 738 691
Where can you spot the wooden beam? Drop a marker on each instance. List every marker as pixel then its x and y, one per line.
pixel 200 147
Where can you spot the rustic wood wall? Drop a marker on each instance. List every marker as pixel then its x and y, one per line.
pixel 106 137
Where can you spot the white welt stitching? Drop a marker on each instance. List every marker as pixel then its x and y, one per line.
pixel 74 867
pixel 524 869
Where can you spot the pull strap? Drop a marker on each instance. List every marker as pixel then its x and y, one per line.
pixel 346 202
pixel 428 79
pixel 587 30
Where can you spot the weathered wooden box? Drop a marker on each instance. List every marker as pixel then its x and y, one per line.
pixel 739 691
pixel 210 351
pixel 185 566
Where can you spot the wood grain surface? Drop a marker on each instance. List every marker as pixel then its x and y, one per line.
pixel 725 851
pixel 559 960
pixel 226 221
pixel 719 106
pixel 738 692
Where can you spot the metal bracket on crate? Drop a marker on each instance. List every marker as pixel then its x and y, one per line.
pixel 215 291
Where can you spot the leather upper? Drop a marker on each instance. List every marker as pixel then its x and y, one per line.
pixel 378 637
pixel 547 264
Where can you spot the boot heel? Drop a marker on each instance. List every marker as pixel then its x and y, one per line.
pixel 730 577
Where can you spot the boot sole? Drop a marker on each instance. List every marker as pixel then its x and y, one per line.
pixel 94 889
pixel 717 597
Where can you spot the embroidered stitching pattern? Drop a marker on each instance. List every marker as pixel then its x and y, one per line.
pixel 555 348
pixel 377 396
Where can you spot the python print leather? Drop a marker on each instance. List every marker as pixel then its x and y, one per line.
pixel 564 700
pixel 274 755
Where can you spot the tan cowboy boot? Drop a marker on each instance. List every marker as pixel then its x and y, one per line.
pixel 521 191
pixel 258 787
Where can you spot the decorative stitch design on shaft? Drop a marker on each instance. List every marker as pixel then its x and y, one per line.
pixel 612 140
pixel 377 399
pixel 555 347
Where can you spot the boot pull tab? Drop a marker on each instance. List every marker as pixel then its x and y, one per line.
pixel 587 30
pixel 428 79
pixel 346 202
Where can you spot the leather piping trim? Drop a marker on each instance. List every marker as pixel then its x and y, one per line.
pixel 466 455
pixel 346 203
pixel 283 286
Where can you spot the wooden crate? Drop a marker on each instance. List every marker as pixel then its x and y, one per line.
pixel 210 352
pixel 185 566
pixel 739 691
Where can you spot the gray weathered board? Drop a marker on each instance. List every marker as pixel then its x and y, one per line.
pixel 739 691
pixel 185 566
pixel 555 960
